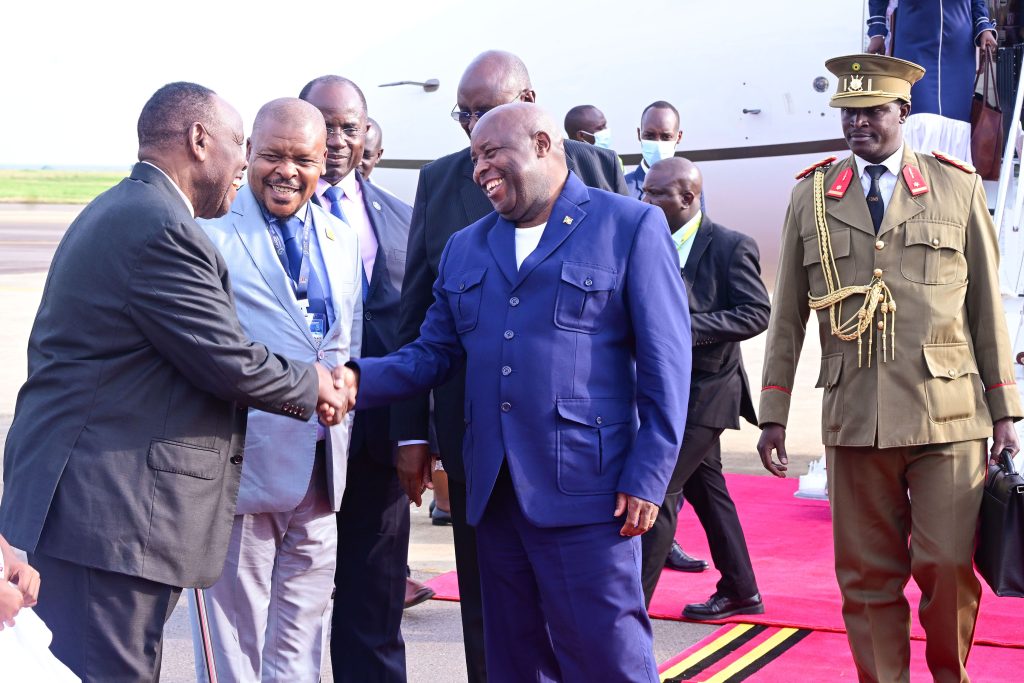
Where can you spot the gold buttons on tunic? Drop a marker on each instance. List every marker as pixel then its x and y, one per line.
pixel 952 373
pixel 879 245
pixel 878 272
pixel 935 241
pixel 880 325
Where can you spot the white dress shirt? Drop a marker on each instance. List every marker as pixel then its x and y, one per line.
pixel 355 214
pixel 887 181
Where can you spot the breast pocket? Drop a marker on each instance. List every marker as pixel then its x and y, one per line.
pixel 464 292
pixel 594 436
pixel 583 293
pixel 842 259
pixel 933 253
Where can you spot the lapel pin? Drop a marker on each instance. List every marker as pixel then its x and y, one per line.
pixel 330 233
pixel 567 220
pixel 376 205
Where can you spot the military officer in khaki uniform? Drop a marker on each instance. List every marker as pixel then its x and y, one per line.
pixel 897 254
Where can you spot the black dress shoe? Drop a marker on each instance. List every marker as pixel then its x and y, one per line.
pixel 720 607
pixel 681 562
pixel 439 517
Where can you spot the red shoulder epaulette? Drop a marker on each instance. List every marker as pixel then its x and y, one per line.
pixel 842 182
pixel 954 162
pixel 807 171
pixel 915 181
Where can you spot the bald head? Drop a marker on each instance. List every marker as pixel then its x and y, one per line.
pixel 493 78
pixel 581 122
pixel 287 153
pixel 674 185
pixel 519 162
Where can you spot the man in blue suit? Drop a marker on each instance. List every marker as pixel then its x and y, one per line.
pixel 373 523
pixel 296 272
pixel 567 308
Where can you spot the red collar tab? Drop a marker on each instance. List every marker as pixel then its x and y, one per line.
pixel 915 182
pixel 807 171
pixel 954 162
pixel 841 184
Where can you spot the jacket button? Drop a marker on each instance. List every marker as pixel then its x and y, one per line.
pixel 935 241
pixel 881 325
pixel 878 272
pixel 236 459
pixel 506 371
pixel 462 286
pixel 952 373
pixel 509 334
pixel 599 420
pixel 588 282
pixel 879 245
pixel 506 406
pixel 368 315
pixel 319 355
pixel 514 301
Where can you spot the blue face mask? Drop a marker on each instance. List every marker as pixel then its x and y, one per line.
pixel 603 138
pixel 654 151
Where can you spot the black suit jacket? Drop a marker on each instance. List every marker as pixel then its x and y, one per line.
pixel 126 448
pixel 389 217
pixel 728 303
pixel 448 200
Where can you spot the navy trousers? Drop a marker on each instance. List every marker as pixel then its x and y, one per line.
pixel 561 603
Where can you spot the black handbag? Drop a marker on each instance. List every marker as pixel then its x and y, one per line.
pixel 1000 552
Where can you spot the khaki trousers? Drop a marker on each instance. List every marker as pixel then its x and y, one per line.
pixel 901 512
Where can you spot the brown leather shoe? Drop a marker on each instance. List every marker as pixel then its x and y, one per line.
pixel 416 592
pixel 720 607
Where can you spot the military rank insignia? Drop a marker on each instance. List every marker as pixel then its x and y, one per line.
pixel 807 171
pixel 915 182
pixel 954 162
pixel 841 184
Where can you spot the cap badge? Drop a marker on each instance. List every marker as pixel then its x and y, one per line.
pixel 855 66
pixel 856 84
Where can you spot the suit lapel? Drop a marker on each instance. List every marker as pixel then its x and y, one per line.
pixel 331 253
pixel 565 217
pixel 852 209
pixel 902 206
pixel 375 211
pixel 501 240
pixel 701 241
pixel 251 229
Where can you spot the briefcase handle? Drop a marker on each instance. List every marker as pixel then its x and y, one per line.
pixel 1006 461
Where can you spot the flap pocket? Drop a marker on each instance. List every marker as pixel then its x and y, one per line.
pixel 707 362
pixel 596 412
pixel 181 458
pixel 831 370
pixel 935 235
pixel 461 282
pixel 840 240
pixel 949 361
pixel 589 277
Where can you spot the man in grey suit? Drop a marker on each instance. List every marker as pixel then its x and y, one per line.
pixel 373 523
pixel 296 272
pixel 124 457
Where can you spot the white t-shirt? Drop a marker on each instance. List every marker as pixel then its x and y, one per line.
pixel 527 240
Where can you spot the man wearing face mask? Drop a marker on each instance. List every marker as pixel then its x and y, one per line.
pixel 587 123
pixel 659 134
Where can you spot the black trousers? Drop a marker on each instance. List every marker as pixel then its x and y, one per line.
pixel 470 600
pixel 369 595
pixel 698 478
pixel 107 627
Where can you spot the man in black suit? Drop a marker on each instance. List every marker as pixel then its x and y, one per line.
pixel 373 523
pixel 124 457
pixel 728 303
pixel 447 200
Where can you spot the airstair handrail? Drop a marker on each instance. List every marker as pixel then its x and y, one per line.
pixel 1006 171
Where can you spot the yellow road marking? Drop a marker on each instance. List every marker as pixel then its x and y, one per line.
pixel 706 651
pixel 753 655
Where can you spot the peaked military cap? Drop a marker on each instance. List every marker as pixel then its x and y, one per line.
pixel 870 80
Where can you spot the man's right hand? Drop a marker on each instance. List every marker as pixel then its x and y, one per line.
pixel 332 403
pixel 11 602
pixel 414 470
pixel 773 438
pixel 876 46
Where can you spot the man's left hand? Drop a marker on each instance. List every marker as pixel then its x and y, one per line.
pixel 26 578
pixel 1003 436
pixel 640 514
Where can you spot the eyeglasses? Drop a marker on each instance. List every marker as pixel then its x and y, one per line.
pixel 464 117
pixel 350 132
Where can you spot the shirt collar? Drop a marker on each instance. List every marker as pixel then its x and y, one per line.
pixel 892 163
pixel 349 185
pixel 680 236
pixel 173 184
pixel 302 213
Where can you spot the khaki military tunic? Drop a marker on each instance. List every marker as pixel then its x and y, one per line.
pixel 940 370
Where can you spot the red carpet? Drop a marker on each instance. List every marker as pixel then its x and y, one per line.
pixel 790 543
pixel 782 655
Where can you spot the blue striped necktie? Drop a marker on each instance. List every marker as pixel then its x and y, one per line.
pixel 334 194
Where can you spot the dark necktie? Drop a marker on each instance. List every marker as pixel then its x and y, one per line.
pixel 875 204
pixel 334 195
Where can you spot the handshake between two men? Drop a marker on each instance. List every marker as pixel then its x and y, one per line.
pixel 336 394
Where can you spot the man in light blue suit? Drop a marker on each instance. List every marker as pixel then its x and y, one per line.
pixel 297 278
pixel 569 311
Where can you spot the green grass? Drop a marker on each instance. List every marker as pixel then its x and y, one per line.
pixel 55 187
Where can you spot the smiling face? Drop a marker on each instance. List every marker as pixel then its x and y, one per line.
pixel 345 116
pixel 225 163
pixel 874 133
pixel 286 158
pixel 509 165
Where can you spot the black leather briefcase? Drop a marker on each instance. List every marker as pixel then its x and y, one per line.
pixel 1000 552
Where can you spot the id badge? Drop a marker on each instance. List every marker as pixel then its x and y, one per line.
pixel 317 326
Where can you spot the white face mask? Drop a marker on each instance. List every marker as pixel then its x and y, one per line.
pixel 603 138
pixel 654 151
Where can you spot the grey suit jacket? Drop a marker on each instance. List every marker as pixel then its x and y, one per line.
pixel 126 447
pixel 278 451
